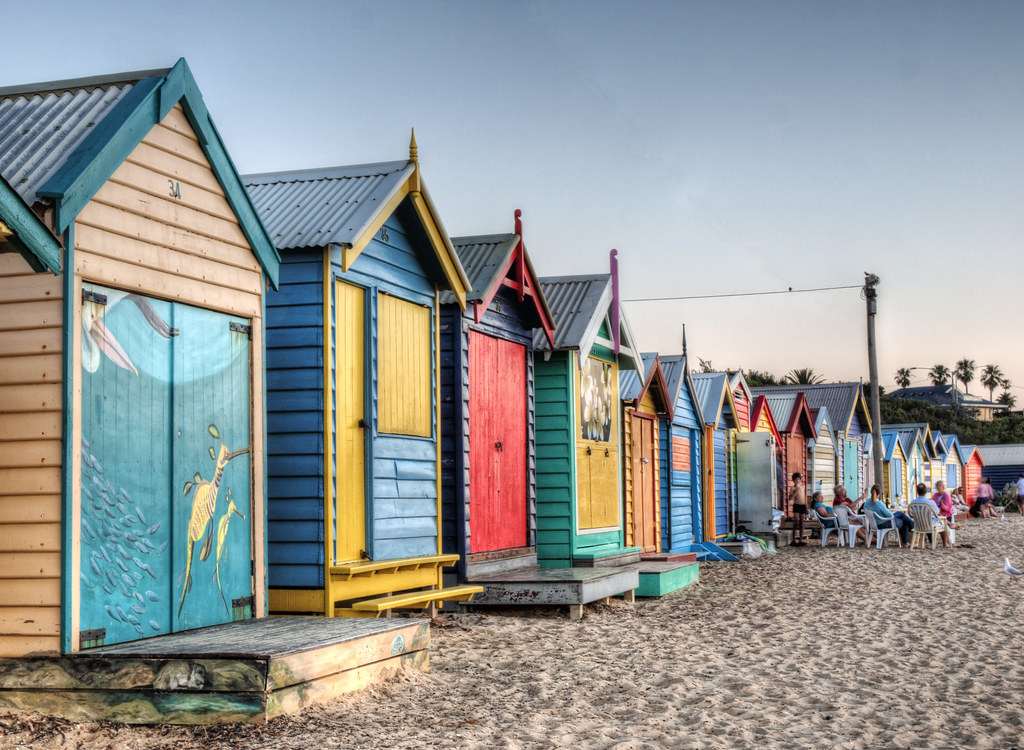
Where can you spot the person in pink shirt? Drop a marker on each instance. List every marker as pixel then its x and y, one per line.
pixel 945 503
pixel 983 504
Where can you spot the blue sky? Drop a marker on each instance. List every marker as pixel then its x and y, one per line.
pixel 720 147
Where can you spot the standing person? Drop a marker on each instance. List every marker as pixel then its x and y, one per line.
pixel 886 518
pixel 1020 493
pixel 798 507
pixel 983 504
pixel 923 499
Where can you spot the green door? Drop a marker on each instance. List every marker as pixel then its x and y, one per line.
pixel 851 468
pixel 166 476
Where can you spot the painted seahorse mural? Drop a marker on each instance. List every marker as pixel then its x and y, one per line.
pixel 204 505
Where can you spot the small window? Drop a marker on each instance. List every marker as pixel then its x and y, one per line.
pixel 403 367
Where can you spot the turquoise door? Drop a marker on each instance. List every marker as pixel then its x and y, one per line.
pixel 166 475
pixel 851 468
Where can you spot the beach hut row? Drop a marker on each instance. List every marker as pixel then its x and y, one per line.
pixel 295 393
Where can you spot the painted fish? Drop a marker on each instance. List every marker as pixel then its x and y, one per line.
pixel 153 529
pixel 138 512
pixel 85 443
pixel 161 548
pixel 120 563
pixel 86 582
pixel 142 548
pixel 147 543
pixel 122 613
pixel 138 596
pixel 107 588
pixel 154 624
pixel 125 495
pixel 129 581
pixel 139 630
pixel 95 566
pixel 139 564
pixel 111 574
pixel 128 521
pixel 124 591
pixel 135 574
pixel 125 555
pixel 88 529
pixel 138 610
pixel 110 612
pixel 133 619
pixel 110 513
pixel 124 509
pixel 131 537
pixel 151 595
pixel 106 556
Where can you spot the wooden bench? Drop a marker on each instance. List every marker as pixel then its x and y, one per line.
pixel 368 568
pixel 415 600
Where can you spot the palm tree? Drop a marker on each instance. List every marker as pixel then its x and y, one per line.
pixel 803 376
pixel 1008 398
pixel 964 371
pixel 939 374
pixel 991 378
pixel 903 377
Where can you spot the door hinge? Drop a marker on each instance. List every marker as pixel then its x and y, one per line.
pixel 99 299
pixel 241 328
pixel 91 638
pixel 242 601
pixel 252 568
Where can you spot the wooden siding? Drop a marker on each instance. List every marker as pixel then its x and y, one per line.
pixel 295 426
pixel 30 458
pixel 742 409
pixel 681 477
pixel 556 459
pixel 824 467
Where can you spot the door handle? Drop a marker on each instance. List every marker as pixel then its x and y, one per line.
pixel 499 447
pixel 363 423
pixel 607 453
pixel 588 450
pixel 645 461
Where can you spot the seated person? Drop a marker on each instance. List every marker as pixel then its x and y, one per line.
pixel 886 519
pixel 959 500
pixel 938 524
pixel 828 518
pixel 945 503
pixel 841 498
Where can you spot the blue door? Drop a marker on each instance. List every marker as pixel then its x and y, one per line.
pixel 721 485
pixel 166 477
pixel 951 477
pixel 851 467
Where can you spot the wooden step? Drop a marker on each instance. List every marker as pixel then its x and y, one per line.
pixel 669 557
pixel 372 567
pixel 417 599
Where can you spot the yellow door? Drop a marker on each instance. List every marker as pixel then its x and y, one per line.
pixel 350 418
pixel 597 450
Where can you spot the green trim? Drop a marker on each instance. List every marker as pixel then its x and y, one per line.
pixel 31 237
pixel 117 135
pixel 67 581
pixel 266 496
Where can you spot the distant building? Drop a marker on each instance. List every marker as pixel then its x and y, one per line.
pixel 943 395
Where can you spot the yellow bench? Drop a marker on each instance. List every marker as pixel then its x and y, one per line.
pixel 372 567
pixel 415 599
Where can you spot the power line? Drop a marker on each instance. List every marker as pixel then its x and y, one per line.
pixel 791 290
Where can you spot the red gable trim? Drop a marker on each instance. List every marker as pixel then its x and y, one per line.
pixel 801 413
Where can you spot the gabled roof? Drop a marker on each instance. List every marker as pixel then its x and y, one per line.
pixel 762 409
pixel 940 444
pixel 347 206
pixel 61 141
pixel 822 423
pixel 926 434
pixel 493 260
pixel 713 392
pixel 951 443
pixel 891 442
pixel 966 451
pixel 841 399
pixel 942 395
pixel 677 374
pixel 1002 455
pixel 23 231
pixel 909 438
pixel 580 305
pixel 631 388
pixel 789 408
pixel 736 380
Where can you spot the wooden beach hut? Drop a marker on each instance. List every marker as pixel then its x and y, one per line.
pixel 822 473
pixel 933 460
pixel 894 468
pixel 488 480
pixel 916 454
pixel 721 425
pixel 953 468
pixel 579 500
pixel 796 428
pixel 742 398
pixel 681 439
pixel 973 466
pixel 131 375
pixel 353 388
pixel 848 413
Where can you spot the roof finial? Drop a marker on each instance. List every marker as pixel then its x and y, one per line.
pixel 413 150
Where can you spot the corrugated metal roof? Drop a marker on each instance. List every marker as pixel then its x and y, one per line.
pixel 967 450
pixel 578 304
pixel 710 388
pixel 631 382
pixel 1002 455
pixel 889 441
pixel 41 125
pixel 781 405
pixel 839 398
pixel 482 256
pixel 319 207
pixel 674 368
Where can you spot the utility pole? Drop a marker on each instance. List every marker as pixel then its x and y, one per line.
pixel 871 297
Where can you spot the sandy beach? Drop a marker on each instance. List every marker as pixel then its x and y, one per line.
pixel 807 648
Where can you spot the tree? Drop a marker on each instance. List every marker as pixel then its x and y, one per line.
pixel 803 376
pixel 760 378
pixel 964 371
pixel 991 378
pixel 939 374
pixel 704 365
pixel 903 377
pixel 1007 398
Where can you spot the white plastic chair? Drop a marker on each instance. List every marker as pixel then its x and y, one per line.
pixel 926 522
pixel 880 532
pixel 849 523
pixel 826 530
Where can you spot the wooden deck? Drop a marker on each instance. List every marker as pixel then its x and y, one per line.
pixel 251 670
pixel 556 586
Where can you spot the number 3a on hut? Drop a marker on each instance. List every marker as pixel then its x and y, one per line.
pixel 175 191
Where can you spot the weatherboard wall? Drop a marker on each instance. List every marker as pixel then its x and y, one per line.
pixel 681 476
pixel 556 458
pixel 30 458
pixel 505 319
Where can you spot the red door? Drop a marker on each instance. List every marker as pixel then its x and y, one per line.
pixel 645 498
pixel 497 444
